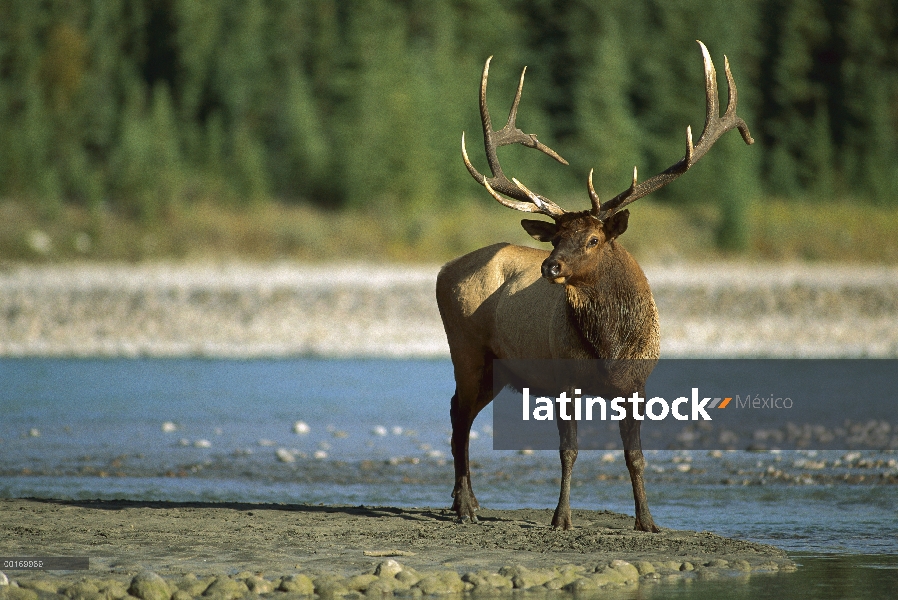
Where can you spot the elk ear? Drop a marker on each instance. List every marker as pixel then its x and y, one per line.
pixel 616 225
pixel 541 231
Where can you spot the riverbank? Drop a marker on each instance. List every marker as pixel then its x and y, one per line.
pixel 240 310
pixel 230 549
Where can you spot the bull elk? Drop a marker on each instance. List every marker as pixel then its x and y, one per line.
pixel 587 298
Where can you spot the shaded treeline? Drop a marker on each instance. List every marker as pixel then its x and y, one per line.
pixel 142 105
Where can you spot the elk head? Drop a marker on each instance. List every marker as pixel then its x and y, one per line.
pixel 578 238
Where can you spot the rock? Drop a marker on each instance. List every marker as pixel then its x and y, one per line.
pixel 408 577
pixel 485 580
pixel 81 590
pixel 382 586
pixel 111 589
pixel 717 563
pixel 4 580
pixel 330 585
pixel 298 584
pixel 608 576
pixel 627 570
pixel 687 566
pixel 149 586
pixel 225 588
pixel 258 585
pixel 740 565
pixel 568 574
pixel 388 568
pixel 181 595
pixel 360 583
pixel 193 586
pixel 583 584
pixel 523 578
pixel 40 585
pixel 644 567
pixel 11 592
pixel 442 582
pixel 707 574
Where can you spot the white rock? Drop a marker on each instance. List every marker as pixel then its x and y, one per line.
pixel 301 428
pixel 285 455
pixel 169 427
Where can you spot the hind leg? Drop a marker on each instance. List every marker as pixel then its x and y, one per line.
pixel 474 390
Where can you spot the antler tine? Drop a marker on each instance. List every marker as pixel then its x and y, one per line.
pixel 509 134
pixel 546 206
pixel 594 197
pixel 715 126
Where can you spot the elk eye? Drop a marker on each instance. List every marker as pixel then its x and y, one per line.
pixel 592 242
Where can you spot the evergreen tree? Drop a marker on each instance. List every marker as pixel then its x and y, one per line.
pixel 868 70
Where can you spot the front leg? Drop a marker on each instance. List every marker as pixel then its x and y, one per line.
pixel 629 431
pixel 567 449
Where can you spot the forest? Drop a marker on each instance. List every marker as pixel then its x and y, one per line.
pixel 146 106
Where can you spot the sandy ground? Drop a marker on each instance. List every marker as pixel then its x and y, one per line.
pixel 125 538
pixel 241 310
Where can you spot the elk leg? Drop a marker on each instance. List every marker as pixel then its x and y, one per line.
pixel 463 410
pixel 567 449
pixel 629 433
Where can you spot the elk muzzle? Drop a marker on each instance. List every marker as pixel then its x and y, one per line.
pixel 554 270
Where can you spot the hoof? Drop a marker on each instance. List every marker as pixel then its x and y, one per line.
pixel 649 526
pixel 464 520
pixel 562 521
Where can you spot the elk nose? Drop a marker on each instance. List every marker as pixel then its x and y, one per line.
pixel 551 268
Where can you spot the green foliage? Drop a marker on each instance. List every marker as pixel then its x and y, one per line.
pixel 150 106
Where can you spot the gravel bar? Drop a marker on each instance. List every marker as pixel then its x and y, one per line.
pixel 366 310
pixel 179 551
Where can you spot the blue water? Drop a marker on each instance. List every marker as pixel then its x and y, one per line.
pixel 94 429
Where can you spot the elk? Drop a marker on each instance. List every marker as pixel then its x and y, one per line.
pixel 587 298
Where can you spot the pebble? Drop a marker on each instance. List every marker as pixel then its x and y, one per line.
pixel 285 455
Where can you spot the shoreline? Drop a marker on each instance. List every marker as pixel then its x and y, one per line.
pixel 355 310
pixel 277 549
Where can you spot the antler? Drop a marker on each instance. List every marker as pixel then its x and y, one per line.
pixel 715 126
pixel 498 184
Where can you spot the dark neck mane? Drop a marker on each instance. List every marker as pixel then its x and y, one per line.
pixel 614 315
